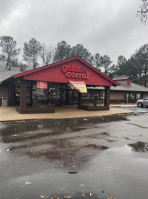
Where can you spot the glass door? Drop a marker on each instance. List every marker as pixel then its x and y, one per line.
pixel 72 97
pixel 75 97
pixel 63 98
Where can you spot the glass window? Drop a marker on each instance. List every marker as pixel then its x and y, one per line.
pixel 86 95
pixel 53 94
pixel 132 96
pixel 63 86
pixel 138 96
pixel 97 94
pixel 39 96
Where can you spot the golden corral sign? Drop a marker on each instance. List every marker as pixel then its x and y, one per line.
pixel 78 85
pixel 75 72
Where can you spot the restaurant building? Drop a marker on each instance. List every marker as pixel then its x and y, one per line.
pixel 59 84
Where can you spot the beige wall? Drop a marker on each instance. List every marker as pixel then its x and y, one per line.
pixel 3 92
pixel 145 95
pixel 123 82
pixel 116 95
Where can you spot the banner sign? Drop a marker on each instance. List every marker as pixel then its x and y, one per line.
pixel 42 85
pixel 78 85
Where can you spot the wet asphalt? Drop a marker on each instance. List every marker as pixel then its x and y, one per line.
pixel 104 157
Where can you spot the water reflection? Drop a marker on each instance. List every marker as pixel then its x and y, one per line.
pixel 15 132
pixel 139 146
pixel 59 141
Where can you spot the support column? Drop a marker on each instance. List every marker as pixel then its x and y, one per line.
pixel 107 97
pixel 79 98
pixel 23 97
pixel 135 99
pixel 11 94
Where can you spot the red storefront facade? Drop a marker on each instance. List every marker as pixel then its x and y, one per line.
pixel 59 84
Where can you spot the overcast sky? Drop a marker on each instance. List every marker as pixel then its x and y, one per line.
pixel 102 26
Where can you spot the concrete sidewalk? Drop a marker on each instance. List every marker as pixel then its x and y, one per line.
pixel 123 105
pixel 10 114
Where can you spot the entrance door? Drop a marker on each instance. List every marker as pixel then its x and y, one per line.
pixel 72 97
pixel 17 96
pixel 75 97
pixel 63 100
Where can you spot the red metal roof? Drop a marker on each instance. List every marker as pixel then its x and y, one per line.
pixel 70 69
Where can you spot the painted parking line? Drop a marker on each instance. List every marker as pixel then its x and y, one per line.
pixel 142 111
pixel 136 109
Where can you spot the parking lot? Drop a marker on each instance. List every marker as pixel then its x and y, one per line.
pixel 75 158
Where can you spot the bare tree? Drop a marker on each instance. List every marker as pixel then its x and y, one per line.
pixel 143 11
pixel 97 60
pixel 31 52
pixel 47 54
pixel 80 51
pixel 63 51
pixel 9 50
pixel 105 63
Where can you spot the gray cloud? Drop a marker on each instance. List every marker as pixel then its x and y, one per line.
pixel 108 27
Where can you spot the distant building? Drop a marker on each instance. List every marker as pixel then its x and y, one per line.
pixel 127 92
pixel 5 74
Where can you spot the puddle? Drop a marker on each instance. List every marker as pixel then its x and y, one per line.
pixel 105 134
pixel 94 146
pixel 144 127
pixel 108 140
pixel 61 124
pixel 2 126
pixel 52 155
pixel 72 172
pixel 79 129
pixel 139 146
pixel 136 109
